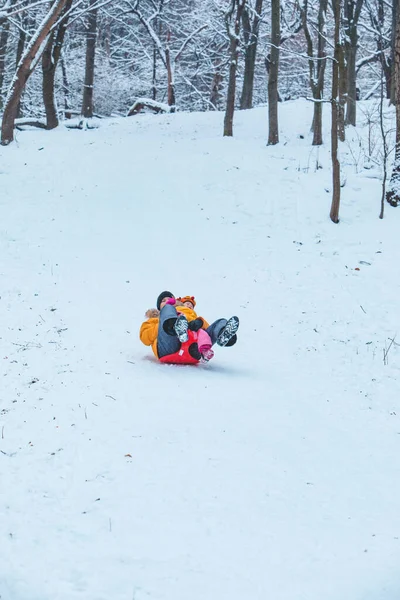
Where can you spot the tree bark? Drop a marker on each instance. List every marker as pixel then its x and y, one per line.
pixel 250 30
pixel 385 61
pixel 50 58
pixel 4 33
pixel 20 51
pixel 351 55
pixel 316 71
pixel 352 11
pixel 392 54
pixel 24 71
pixel 215 96
pixel 239 6
pixel 273 135
pixel 170 75
pixel 342 81
pixel 65 85
pixel 91 36
pixel 334 214
pixel 393 193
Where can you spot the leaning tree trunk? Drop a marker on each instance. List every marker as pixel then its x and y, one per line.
pixel 50 58
pixel 91 35
pixel 251 33
pixel 393 193
pixel 25 69
pixel 273 135
pixel 234 57
pixel 334 214
pixel 4 32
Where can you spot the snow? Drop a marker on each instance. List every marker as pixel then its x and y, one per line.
pixel 271 472
pixel 149 102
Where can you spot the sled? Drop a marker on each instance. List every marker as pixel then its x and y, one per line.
pixel 182 357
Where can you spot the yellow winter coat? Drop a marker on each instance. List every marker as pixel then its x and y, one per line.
pixel 149 329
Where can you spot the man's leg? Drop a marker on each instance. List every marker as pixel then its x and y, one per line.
pixel 167 341
pixel 215 329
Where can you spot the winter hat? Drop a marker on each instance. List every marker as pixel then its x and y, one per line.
pixel 188 299
pixel 162 296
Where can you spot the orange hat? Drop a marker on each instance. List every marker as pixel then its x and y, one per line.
pixel 188 299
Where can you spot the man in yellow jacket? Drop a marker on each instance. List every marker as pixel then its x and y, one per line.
pixel 169 333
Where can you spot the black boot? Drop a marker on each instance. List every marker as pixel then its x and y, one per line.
pixel 194 351
pixel 196 324
pixel 229 333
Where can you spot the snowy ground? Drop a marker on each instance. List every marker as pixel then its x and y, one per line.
pixel 271 473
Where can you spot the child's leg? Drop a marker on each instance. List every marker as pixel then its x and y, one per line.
pixel 203 339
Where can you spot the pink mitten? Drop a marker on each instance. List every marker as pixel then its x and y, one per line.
pixel 170 301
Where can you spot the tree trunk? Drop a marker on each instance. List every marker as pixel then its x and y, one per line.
pixel 316 68
pixel 392 54
pixel 65 85
pixel 351 54
pixel 393 193
pixel 239 5
pixel 273 135
pixel 5 29
pixel 170 76
pixel 20 51
pixel 25 69
pixel 91 35
pixel 342 81
pixel 154 74
pixel 317 124
pixel 215 96
pixel 50 58
pixel 251 36
pixel 334 214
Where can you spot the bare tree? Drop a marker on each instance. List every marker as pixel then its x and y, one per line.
pixel 382 35
pixel 4 34
pixel 233 18
pixel 342 82
pixel 385 149
pixel 164 51
pixel 25 68
pixel 316 66
pixel 50 58
pixel 392 50
pixel 334 214
pixel 91 36
pixel 273 134
pixel 393 192
pixel 352 11
pixel 250 31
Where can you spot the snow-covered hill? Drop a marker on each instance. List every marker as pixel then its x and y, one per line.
pixel 272 472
